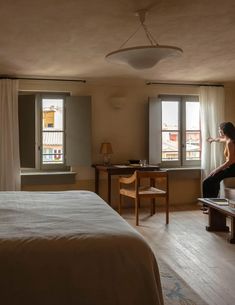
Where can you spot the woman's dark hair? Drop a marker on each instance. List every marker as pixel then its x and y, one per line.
pixel 228 130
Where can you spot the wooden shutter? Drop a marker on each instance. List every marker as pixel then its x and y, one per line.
pixel 155 135
pixel 26 110
pixel 78 130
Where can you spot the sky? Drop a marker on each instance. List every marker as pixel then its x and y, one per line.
pixel 170 115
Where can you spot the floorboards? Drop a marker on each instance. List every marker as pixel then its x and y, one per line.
pixel 205 260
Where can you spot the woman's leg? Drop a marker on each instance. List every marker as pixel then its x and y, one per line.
pixel 211 185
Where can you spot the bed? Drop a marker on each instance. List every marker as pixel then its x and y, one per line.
pixel 67 248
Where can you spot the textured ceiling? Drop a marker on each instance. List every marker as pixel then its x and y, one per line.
pixel 70 38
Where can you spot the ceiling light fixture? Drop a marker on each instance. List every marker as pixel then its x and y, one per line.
pixel 143 57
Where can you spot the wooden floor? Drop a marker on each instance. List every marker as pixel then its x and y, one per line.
pixel 205 260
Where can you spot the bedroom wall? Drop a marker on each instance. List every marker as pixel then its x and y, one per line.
pixel 120 116
pixel 230 102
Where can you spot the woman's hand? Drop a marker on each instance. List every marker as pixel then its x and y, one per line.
pixel 210 140
pixel 215 171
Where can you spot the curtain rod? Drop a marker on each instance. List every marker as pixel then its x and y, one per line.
pixel 184 84
pixel 37 78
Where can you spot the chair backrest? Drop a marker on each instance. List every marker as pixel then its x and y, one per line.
pixel 153 176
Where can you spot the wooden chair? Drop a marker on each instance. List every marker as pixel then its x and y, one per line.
pixel 150 191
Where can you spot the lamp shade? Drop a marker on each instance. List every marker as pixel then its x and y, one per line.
pixel 142 57
pixel 106 148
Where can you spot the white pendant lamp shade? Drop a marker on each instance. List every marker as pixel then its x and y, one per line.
pixel 142 57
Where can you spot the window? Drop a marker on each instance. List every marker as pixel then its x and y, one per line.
pixel 52 129
pixel 55 131
pixel 175 136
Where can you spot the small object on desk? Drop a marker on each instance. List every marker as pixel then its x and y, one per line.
pixel 134 162
pixel 143 162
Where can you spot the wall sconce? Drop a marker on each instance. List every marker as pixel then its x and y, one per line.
pixel 117 102
pixel 106 150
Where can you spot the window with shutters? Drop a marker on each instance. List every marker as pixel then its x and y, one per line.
pixel 55 131
pixel 175 134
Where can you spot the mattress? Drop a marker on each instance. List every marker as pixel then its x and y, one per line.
pixel 67 248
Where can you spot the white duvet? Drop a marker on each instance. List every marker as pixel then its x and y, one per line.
pixel 67 248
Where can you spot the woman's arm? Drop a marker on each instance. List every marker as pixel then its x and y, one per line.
pixel 218 139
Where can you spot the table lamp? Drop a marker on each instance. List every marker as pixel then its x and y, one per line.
pixel 106 151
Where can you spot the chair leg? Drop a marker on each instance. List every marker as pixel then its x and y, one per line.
pixel 137 201
pixel 167 210
pixel 152 212
pixel 120 204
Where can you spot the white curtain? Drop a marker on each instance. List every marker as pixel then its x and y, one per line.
pixel 212 114
pixel 9 136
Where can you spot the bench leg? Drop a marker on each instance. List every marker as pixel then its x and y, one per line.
pixel 217 221
pixel 231 239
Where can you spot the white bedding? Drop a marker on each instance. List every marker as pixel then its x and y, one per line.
pixel 67 248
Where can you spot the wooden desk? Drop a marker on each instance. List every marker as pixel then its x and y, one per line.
pixel 217 218
pixel 117 170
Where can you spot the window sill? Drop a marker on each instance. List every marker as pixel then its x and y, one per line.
pixel 184 172
pixel 47 177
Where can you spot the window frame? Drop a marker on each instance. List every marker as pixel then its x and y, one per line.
pixel 181 99
pixel 171 98
pixel 157 115
pixel 185 162
pixel 39 131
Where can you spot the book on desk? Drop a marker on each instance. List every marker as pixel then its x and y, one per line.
pixel 219 201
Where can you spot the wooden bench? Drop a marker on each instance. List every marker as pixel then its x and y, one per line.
pixel 217 217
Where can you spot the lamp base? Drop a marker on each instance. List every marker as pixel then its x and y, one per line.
pixel 107 159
